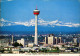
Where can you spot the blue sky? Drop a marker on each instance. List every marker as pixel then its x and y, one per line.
pixel 50 10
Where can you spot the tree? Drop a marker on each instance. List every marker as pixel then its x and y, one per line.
pixel 57 48
pixel 15 44
pixel 62 45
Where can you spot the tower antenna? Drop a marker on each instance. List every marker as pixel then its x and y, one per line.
pixel 36 6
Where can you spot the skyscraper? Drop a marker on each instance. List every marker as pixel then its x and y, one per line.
pixel 36 13
pixel 49 39
pixel 12 39
pixel 56 40
pixel 59 39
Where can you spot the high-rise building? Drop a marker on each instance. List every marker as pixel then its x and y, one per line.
pixel 46 40
pixel 36 13
pixel 52 40
pixel 75 40
pixel 12 39
pixel 59 39
pixel 56 40
pixel 49 39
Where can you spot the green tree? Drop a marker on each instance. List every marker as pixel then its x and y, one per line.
pixel 57 48
pixel 15 44
pixel 62 45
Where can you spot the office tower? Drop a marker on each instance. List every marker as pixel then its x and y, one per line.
pixel 12 39
pixel 46 40
pixel 59 39
pixel 56 40
pixel 50 39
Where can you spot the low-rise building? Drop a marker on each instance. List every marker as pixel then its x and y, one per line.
pixel 4 42
pixel 30 44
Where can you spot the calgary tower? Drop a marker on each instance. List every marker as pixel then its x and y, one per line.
pixel 36 13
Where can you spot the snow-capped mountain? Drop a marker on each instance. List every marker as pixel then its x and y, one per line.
pixel 43 26
pixel 40 22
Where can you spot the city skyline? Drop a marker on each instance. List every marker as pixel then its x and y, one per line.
pixel 40 27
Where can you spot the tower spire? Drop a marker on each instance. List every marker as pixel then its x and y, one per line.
pixel 36 6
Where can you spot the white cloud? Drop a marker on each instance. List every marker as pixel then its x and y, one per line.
pixel 32 22
pixel 2 19
pixel 40 22
pixel 9 24
pixel 69 24
pixel 22 23
pixel 9 0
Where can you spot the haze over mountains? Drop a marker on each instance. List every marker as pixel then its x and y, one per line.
pixel 43 26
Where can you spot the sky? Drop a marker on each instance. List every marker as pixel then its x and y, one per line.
pixel 66 11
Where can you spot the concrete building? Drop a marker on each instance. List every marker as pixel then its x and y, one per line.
pixel 30 44
pixel 19 41
pixel 16 50
pixel 75 40
pixel 46 40
pixel 4 42
pixel 56 40
pixel 12 40
pixel 60 40
pixel 36 13
pixel 22 41
pixel 51 40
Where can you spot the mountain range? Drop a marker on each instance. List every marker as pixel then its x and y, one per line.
pixel 44 27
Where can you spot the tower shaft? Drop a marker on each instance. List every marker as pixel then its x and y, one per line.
pixel 36 37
